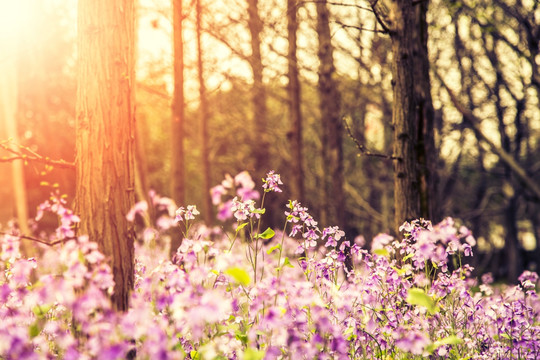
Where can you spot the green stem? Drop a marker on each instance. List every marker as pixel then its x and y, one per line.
pixel 257 240
pixel 281 250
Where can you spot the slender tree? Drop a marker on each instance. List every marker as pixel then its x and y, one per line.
pixel 260 110
pixel 178 105
pixel 332 126
pixel 411 109
pixel 13 189
pixel 105 134
pixel 203 116
pixel 177 126
pixel 294 98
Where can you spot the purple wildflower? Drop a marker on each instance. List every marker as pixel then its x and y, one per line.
pixel 272 182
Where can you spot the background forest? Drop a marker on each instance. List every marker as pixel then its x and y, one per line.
pixel 303 89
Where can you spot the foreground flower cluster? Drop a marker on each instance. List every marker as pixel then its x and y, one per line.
pixel 300 293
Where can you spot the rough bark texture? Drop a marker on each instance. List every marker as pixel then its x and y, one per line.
pixel 332 127
pixel 426 150
pixel 105 135
pixel 177 134
pixel 295 113
pixel 260 119
pixel 204 119
pixel 404 120
pixel 177 124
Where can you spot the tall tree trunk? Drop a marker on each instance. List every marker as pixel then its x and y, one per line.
pixel 412 111
pixel 105 133
pixel 177 126
pixel 295 113
pixel 427 153
pixel 332 127
pixel 13 189
pixel 260 119
pixel 204 119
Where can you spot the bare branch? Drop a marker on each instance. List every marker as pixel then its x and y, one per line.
pixel 345 26
pixel 505 157
pixel 362 148
pixel 380 12
pixel 31 238
pixel 9 146
pixel 335 4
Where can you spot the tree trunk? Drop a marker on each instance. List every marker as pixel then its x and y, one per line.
pixel 295 113
pixel 177 133
pixel 404 119
pixel 105 133
pixel 332 127
pixel 13 188
pixel 177 126
pixel 260 119
pixel 427 153
pixel 204 119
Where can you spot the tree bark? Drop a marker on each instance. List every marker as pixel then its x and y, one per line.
pixel 260 119
pixel 332 127
pixel 204 119
pixel 177 126
pixel 426 150
pixel 404 119
pixel 105 133
pixel 295 113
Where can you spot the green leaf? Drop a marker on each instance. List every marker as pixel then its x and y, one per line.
pixel 195 355
pixel 34 331
pixel 241 226
pixel 253 354
pixel 417 296
pixel 273 248
pixel 239 275
pixel 242 337
pixel 381 252
pixel 400 271
pixel 267 234
pixel 449 340
pixel 408 256
pixel 286 262
pixel 41 310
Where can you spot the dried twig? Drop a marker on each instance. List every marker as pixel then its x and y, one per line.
pixel 362 148
pixel 30 155
pixel 31 238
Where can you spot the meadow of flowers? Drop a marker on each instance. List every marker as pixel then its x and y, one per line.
pixel 242 291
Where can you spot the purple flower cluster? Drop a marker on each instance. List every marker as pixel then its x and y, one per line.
pixel 223 195
pixel 337 300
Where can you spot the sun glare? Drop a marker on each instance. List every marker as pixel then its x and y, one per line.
pixel 13 20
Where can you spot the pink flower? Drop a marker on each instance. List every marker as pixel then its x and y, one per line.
pixel 186 214
pixel 272 182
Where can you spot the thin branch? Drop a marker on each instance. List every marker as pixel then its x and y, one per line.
pixel 374 214
pixel 335 4
pixel 504 156
pixel 31 238
pixel 58 163
pixel 362 148
pixel 373 4
pixel 360 28
pixel 8 145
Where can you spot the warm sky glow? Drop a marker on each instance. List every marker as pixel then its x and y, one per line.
pixel 13 22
